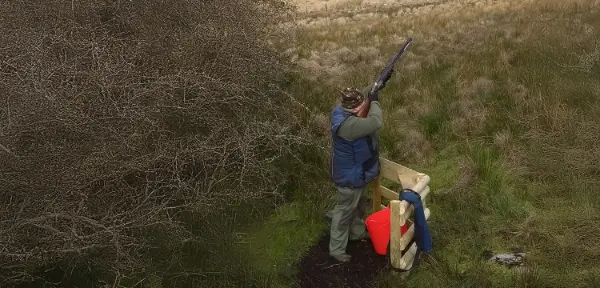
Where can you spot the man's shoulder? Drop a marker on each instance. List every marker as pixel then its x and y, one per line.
pixel 348 120
pixel 340 112
pixel 340 117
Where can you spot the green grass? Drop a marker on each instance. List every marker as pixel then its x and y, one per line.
pixel 280 243
pixel 502 116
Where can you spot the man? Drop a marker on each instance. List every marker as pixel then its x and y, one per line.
pixel 354 163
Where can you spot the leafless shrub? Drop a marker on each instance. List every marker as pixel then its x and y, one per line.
pixel 117 115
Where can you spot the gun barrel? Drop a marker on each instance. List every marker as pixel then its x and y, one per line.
pixel 388 68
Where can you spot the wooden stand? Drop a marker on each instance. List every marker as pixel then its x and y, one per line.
pixel 400 211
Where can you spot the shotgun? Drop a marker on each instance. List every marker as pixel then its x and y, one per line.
pixel 379 84
pixel 383 78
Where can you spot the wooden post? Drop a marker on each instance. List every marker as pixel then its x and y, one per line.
pixel 376 199
pixel 422 187
pixel 397 220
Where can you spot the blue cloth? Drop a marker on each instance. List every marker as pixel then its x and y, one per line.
pixel 422 236
pixel 353 163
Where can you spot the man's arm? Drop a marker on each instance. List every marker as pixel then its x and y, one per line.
pixel 356 127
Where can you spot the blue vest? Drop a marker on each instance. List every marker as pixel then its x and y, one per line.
pixel 353 163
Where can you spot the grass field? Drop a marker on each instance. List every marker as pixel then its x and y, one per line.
pixel 203 159
pixel 498 101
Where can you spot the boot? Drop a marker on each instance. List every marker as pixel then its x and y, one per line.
pixel 344 258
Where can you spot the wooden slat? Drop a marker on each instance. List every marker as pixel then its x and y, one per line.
pixel 423 181
pixel 391 195
pixel 408 258
pixel 388 194
pixel 425 193
pixel 397 173
pixel 396 222
pixel 376 198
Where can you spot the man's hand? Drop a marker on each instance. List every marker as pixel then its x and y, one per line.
pixel 362 106
pixel 374 96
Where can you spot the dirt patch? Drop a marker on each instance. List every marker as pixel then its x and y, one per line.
pixel 317 269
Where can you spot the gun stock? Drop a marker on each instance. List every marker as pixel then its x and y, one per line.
pixel 362 113
pixel 383 78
